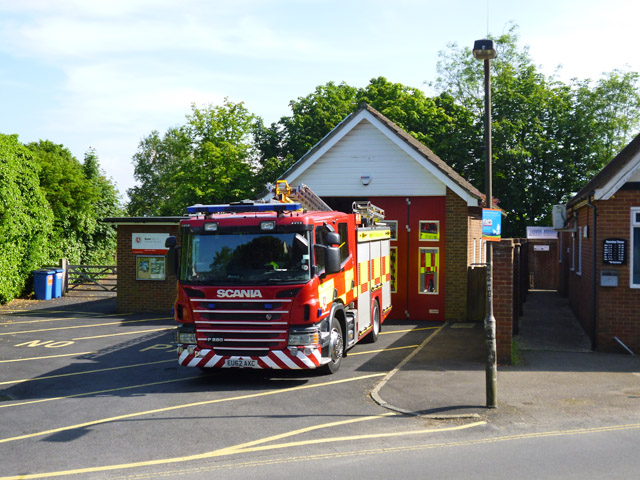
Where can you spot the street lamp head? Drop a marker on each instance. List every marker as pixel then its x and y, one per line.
pixel 484 49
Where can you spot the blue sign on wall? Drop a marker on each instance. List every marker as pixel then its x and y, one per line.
pixel 491 224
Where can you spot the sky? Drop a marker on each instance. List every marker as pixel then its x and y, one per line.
pixel 104 74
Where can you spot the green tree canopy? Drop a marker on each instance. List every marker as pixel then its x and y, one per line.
pixel 210 159
pixel 79 196
pixel 549 138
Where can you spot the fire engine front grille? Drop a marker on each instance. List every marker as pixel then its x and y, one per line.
pixel 241 327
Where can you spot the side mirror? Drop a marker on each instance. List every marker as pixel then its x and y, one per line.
pixel 170 242
pixel 332 260
pixel 332 238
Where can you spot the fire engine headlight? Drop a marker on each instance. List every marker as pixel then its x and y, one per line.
pixel 304 336
pixel 185 337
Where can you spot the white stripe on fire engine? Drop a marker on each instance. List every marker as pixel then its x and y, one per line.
pixel 284 358
pixel 241 311
pixel 211 330
pixel 241 300
pixel 204 339
pixel 270 363
pixel 232 322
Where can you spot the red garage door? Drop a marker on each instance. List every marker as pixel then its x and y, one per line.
pixel 417 255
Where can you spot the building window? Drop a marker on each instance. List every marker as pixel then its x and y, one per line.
pixel 579 233
pixel 429 230
pixel 393 253
pixel 635 249
pixel 573 251
pixel 429 259
pixel 393 226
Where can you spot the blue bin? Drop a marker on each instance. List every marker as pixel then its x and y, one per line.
pixel 57 282
pixel 43 284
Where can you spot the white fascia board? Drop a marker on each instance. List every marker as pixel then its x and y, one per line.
pixel 616 183
pixel 435 171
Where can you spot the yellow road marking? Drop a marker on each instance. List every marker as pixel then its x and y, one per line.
pixel 84 317
pixel 188 405
pixel 123 333
pixel 409 330
pixel 244 448
pixel 199 471
pixel 85 394
pixel 85 326
pixel 45 357
pixel 382 350
pixel 86 372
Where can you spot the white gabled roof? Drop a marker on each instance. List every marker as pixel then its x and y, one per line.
pixel 367 143
pixel 624 167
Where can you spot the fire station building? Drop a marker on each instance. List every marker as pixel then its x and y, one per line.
pixel 435 215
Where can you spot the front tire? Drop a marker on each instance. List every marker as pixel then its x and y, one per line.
pixel 336 348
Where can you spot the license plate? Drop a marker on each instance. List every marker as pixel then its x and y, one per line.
pixel 241 363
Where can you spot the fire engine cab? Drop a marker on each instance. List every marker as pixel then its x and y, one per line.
pixel 288 284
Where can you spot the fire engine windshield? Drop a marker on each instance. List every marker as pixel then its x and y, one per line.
pixel 245 258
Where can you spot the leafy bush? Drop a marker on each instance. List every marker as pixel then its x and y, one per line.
pixel 25 218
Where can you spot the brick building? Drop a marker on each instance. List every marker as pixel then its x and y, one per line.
pixel 144 285
pixel 435 214
pixel 600 253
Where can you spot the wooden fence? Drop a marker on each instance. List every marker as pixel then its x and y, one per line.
pixel 91 278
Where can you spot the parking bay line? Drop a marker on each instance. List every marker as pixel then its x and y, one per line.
pixel 188 405
pixel 255 446
pixel 126 322
pixel 50 319
pixel 100 392
pixel 47 357
pixel 86 372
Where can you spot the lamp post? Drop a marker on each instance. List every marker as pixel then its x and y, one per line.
pixel 485 50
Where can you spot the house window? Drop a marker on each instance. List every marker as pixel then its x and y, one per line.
pixel 635 249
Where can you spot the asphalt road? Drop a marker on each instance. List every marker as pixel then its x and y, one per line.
pixel 89 394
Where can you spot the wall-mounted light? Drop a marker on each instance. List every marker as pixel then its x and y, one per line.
pixel 365 179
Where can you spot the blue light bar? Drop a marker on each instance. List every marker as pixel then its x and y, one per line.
pixel 245 208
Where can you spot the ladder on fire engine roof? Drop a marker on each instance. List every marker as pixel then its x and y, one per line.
pixel 368 211
pixel 302 195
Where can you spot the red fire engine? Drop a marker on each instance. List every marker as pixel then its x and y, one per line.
pixel 288 284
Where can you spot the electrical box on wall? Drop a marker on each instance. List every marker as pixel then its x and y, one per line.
pixel 609 278
pixel 559 216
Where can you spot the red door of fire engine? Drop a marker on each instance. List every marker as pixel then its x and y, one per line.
pixel 417 255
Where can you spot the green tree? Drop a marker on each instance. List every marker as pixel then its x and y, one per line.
pixel 70 197
pixel 25 218
pixel 440 123
pixel 210 159
pixel 101 241
pixel 549 138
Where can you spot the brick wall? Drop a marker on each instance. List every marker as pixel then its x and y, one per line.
pixel 142 295
pixel 617 307
pixel 456 258
pixel 503 297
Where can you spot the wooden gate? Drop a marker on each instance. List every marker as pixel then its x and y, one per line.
pixel 92 277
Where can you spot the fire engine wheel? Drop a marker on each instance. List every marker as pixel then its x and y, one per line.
pixel 336 348
pixel 372 337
